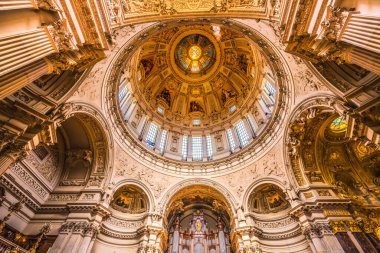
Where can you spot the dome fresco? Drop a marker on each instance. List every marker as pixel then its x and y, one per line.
pixel 195 54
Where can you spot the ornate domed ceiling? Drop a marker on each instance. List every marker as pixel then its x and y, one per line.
pixel 198 92
pixel 197 76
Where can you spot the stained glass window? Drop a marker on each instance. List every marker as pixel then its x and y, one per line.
pixel 338 125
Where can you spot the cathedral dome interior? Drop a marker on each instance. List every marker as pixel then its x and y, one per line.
pixel 194 83
pixel 197 126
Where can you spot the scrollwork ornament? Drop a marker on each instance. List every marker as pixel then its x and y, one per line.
pixel 335 22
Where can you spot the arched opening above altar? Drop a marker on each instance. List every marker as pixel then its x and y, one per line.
pixel 199 221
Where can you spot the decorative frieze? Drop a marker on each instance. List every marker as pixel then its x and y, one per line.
pixel 276 224
pixel 125 224
pixel 63 197
pixel 21 172
pixel 337 226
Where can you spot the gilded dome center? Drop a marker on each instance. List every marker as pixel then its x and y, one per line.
pixel 194 54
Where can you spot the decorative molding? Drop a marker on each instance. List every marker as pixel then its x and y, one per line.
pixel 276 224
pixel 18 193
pixel 124 224
pixel 63 197
pixel 29 180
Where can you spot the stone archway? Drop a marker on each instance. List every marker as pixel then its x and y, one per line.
pixel 199 218
pixel 76 120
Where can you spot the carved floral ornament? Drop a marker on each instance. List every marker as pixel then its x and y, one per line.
pixel 244 157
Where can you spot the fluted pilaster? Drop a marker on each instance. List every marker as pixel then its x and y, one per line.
pixel 365 59
pixel 19 78
pixel 362 31
pixel 17 4
pixel 19 50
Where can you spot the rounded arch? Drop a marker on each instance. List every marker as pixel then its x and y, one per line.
pixel 138 184
pixel 308 109
pixel 258 183
pixel 101 155
pixel 170 193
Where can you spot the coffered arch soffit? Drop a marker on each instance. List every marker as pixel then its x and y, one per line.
pixel 101 140
pixel 321 147
pixel 219 191
pixel 303 111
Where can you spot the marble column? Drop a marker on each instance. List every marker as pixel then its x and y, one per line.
pixel 9 158
pixel 63 237
pixel 364 58
pixel 73 243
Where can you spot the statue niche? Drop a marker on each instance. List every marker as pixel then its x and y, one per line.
pixel 198 233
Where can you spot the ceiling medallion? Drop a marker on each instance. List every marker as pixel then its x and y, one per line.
pixel 194 55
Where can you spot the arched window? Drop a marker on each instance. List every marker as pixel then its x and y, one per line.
pixel 242 134
pixel 209 147
pixel 163 141
pixel 197 150
pixel 152 135
pixel 230 139
pixel 184 147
